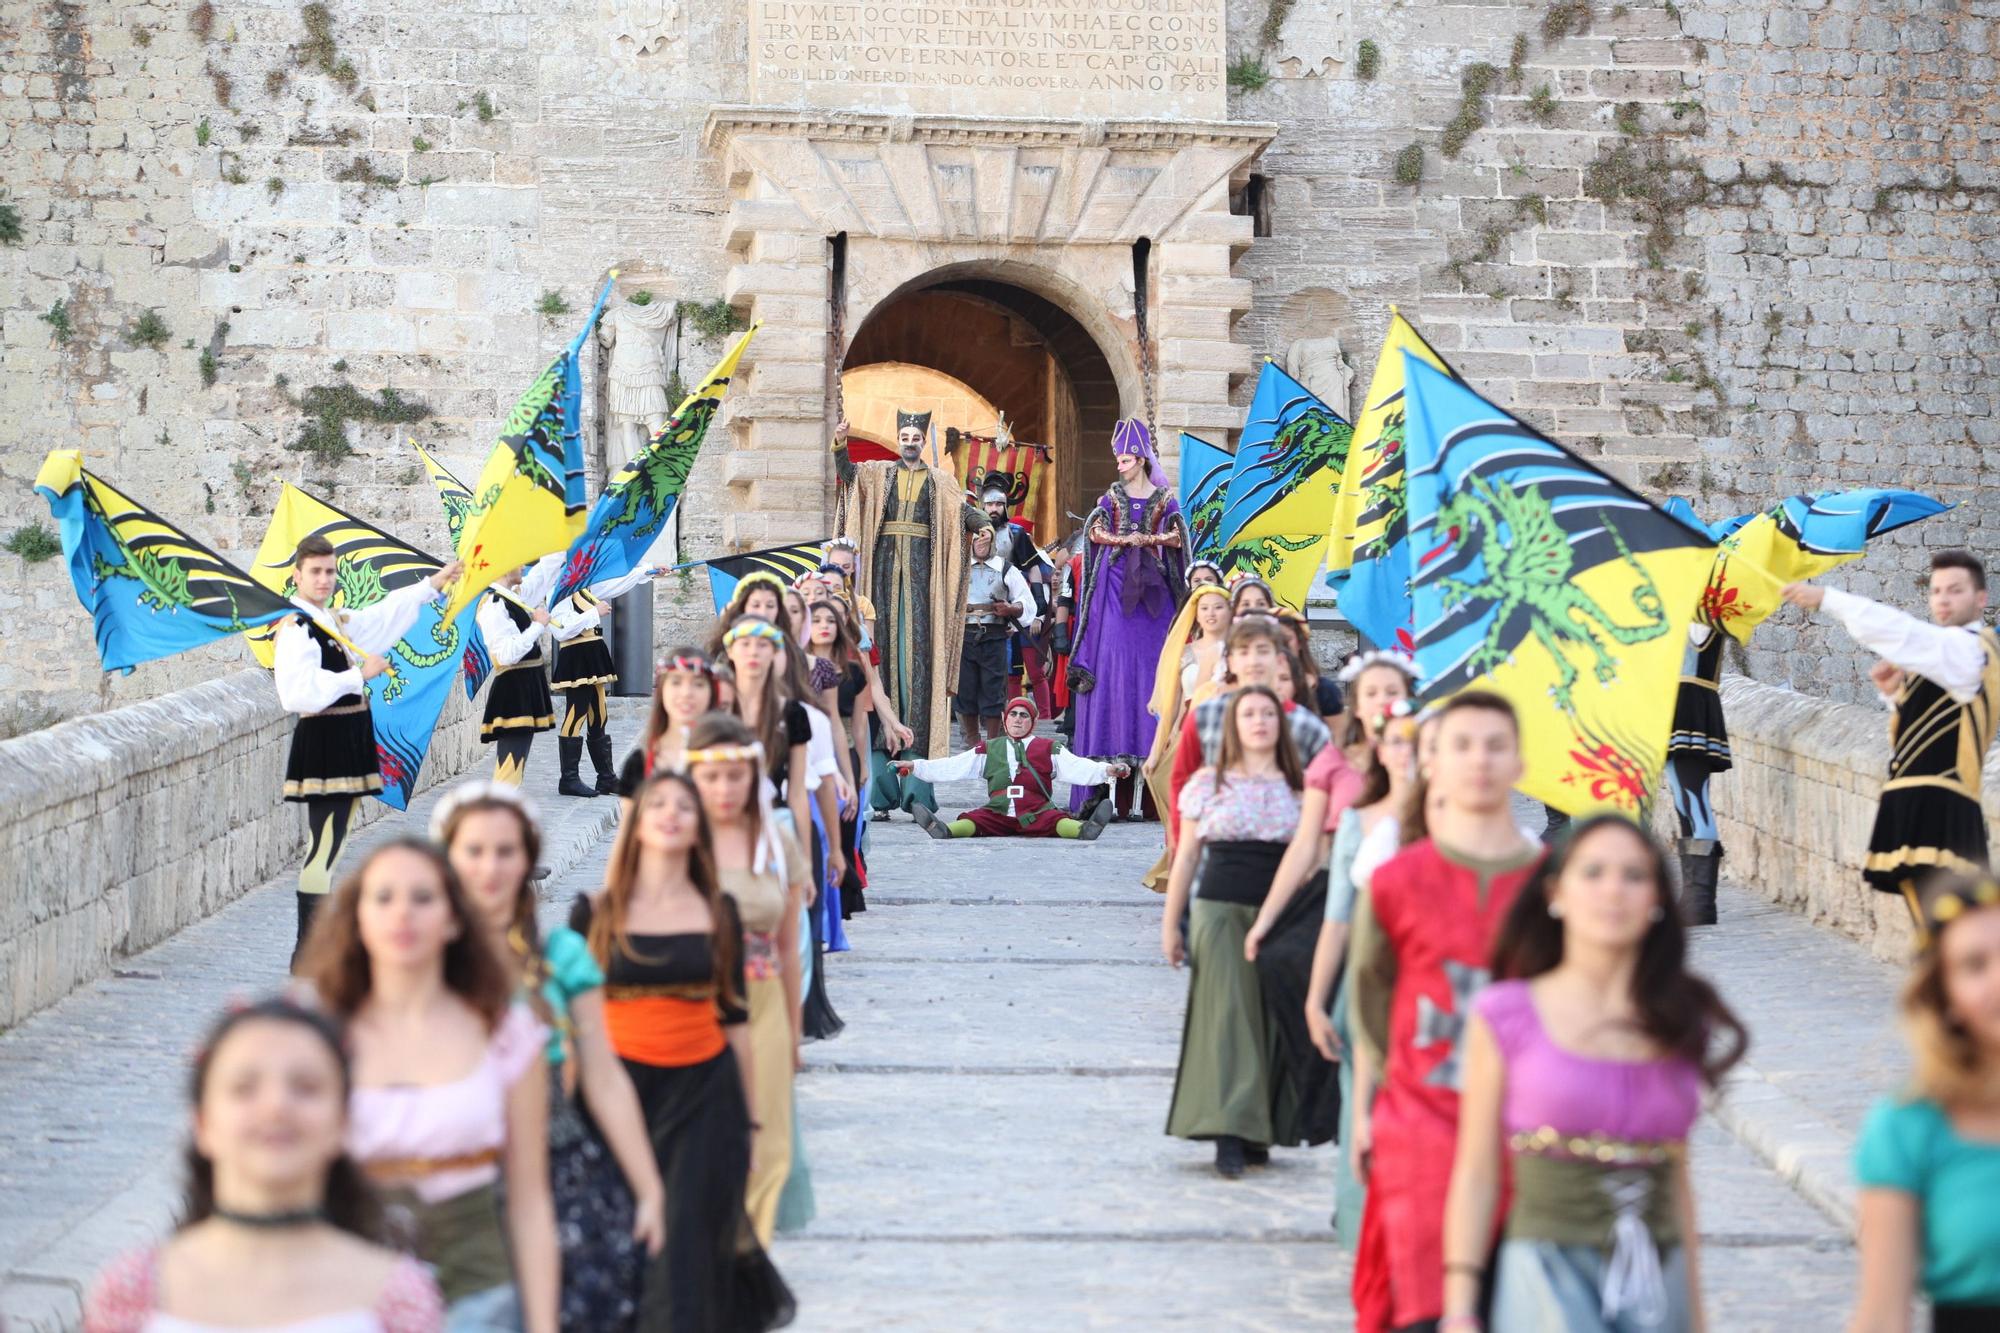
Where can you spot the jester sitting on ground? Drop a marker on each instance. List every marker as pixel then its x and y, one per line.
pixel 1020 770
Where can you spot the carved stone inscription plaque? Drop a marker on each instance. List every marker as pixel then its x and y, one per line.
pixel 1096 59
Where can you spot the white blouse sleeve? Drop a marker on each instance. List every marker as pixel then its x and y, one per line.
pixel 1022 596
pixel 567 619
pixel 1381 842
pixel 821 761
pixel 376 628
pixel 1077 771
pixel 540 580
pixel 955 768
pixel 507 644
pixel 304 686
pixel 1950 655
pixel 618 587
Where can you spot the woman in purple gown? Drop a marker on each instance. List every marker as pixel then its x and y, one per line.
pixel 1134 580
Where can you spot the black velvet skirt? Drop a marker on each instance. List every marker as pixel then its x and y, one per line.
pixel 333 754
pixel 712 1276
pixel 518 701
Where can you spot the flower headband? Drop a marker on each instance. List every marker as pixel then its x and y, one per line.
pixel 844 544
pixel 1375 657
pixel 757 576
pixel 475 792
pixel 754 629
pixel 1206 564
pixel 685 662
pixel 725 754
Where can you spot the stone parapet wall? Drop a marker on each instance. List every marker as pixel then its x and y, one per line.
pixel 1797 808
pixel 123 827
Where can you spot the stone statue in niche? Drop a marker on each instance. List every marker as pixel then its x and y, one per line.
pixel 1320 365
pixel 1313 39
pixel 636 406
pixel 647 24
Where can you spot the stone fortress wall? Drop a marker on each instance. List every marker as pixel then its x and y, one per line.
pixel 1735 249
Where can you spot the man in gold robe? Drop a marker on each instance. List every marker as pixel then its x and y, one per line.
pixel 910 521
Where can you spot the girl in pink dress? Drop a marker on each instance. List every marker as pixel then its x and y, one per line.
pixel 278 1225
pixel 449 1115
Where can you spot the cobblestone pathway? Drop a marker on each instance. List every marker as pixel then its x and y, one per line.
pixel 985 1138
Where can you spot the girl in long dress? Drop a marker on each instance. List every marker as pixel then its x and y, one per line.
pixel 1236 819
pixel 1190 669
pixel 1134 580
pixel 450 1109
pixel 1584 1066
pixel 763 868
pixel 670 943
pixel 609 1201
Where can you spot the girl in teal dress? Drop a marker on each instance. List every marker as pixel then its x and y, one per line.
pixel 609 1200
pixel 1929 1159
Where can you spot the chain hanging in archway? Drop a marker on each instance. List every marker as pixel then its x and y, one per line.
pixel 1142 252
pixel 837 331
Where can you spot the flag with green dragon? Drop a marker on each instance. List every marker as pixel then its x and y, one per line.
pixel 1204 492
pixel 528 500
pixel 152 589
pixel 1282 486
pixel 404 702
pixel 457 503
pixel 1368 554
pixel 1547 581
pixel 633 510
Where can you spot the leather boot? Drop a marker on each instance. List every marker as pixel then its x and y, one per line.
pixel 1701 865
pixel 570 750
pixel 1229 1157
pixel 600 759
pixel 309 904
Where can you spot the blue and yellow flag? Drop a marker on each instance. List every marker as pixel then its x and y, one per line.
pixel 405 701
pixel 1370 537
pixel 633 510
pixel 528 500
pixel 787 562
pixel 457 502
pixel 1282 485
pixel 1204 491
pixel 152 590
pixel 1551 583
pixel 1800 537
pixel 453 494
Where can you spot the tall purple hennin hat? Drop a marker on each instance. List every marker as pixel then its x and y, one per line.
pixel 1131 436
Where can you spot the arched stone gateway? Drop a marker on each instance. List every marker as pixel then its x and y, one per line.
pixel 839 221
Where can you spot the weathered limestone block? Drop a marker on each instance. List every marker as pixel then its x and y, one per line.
pixel 123 827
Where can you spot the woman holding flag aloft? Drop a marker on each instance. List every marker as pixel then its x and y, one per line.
pixel 333 761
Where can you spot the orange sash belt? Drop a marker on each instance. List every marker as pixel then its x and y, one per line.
pixel 661 1030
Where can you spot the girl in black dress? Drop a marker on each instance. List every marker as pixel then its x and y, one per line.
pixel 835 643
pixel 671 946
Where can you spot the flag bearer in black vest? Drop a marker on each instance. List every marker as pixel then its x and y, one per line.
pixel 1943 682
pixel 513 618
pixel 322 663
pixel 583 669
